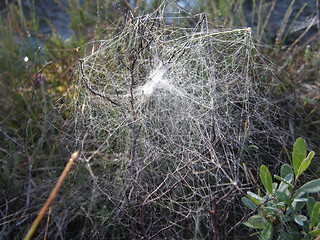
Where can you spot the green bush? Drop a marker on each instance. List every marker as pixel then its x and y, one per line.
pixel 286 210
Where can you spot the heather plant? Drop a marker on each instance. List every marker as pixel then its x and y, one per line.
pixel 285 209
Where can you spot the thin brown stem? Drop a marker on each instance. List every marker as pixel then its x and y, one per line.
pixel 51 197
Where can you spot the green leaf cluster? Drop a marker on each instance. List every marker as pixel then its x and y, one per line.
pixel 286 211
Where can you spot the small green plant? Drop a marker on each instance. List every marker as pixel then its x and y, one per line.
pixel 286 211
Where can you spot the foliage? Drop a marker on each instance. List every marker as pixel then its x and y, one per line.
pixel 36 70
pixel 286 210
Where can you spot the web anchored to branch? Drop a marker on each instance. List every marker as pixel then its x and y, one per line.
pixel 171 115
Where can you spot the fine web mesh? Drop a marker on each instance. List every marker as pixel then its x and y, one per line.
pixel 167 118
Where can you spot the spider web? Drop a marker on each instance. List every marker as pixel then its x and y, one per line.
pixel 168 118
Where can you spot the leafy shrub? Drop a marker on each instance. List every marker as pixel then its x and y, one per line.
pixel 286 210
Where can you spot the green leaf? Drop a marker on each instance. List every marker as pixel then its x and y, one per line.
pixel 274 187
pixel 286 169
pixel 315 215
pixel 294 231
pixel 305 163
pixel 272 209
pixel 310 204
pixel 299 154
pixel 282 197
pixel 300 200
pixel 253 146
pixel 298 204
pixel 255 197
pixel 300 219
pixel 249 225
pixel 266 178
pixel 267 232
pixel 285 236
pixel 315 233
pixel 285 182
pixel 254 200
pixel 256 221
pixel 248 203
pixel 309 187
pixel 279 205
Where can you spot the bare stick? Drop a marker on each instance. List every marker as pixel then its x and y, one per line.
pixel 51 197
pixel 91 90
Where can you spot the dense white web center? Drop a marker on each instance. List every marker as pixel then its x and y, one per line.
pixel 157 81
